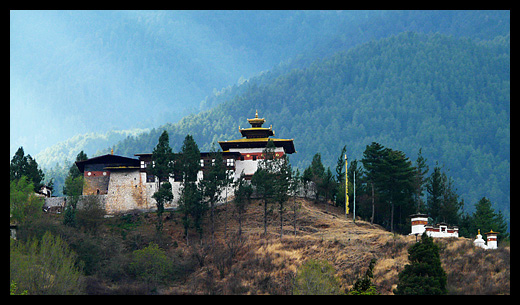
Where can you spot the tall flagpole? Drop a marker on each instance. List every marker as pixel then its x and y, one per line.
pixel 346 187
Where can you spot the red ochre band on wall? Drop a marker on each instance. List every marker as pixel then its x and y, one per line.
pixel 257 156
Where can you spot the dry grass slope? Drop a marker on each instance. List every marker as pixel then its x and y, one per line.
pixel 258 264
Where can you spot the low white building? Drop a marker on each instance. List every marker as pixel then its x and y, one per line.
pixel 420 225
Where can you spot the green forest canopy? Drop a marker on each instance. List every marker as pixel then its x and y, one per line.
pixel 448 95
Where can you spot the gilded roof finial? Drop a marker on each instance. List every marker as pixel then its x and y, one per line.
pixel 256 115
pixel 478 231
pixel 112 151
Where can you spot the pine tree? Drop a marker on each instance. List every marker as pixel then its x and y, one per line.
pixel 213 183
pixel 162 167
pixel 424 275
pixel 22 165
pixel 486 219
pixel 316 173
pixel 435 188
pixel 281 186
pixel 187 163
pixel 392 174
pixel 162 156
pixel 364 286
pixel 420 181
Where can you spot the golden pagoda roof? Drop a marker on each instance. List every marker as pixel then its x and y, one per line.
pixel 287 144
pixel 256 120
pixel 257 137
pixel 491 232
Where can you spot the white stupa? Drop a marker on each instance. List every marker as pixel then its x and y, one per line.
pixel 491 240
pixel 479 242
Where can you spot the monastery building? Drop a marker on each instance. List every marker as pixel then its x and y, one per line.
pixel 125 184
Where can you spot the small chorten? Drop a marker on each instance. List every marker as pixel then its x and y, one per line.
pixel 479 242
pixel 492 240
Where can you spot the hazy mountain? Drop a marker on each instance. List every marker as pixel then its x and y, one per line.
pixel 449 94
pixel 75 72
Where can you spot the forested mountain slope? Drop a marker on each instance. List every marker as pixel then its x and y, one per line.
pixel 450 96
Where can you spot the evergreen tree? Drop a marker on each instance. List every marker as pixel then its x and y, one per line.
pixel 398 174
pixel 73 188
pixel 486 219
pixel 364 286
pixel 372 162
pixel 214 181
pixel 162 156
pixel 22 165
pixel 187 164
pixel 451 206
pixel 296 183
pixel 424 275
pixel 18 165
pixel 435 188
pixel 421 169
pixel 392 174
pixel 34 173
pixel 443 203
pixel 162 167
pixel 281 186
pixel 74 172
pixel 162 196
pixel 316 173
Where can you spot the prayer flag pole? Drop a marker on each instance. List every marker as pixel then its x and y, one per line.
pixel 346 187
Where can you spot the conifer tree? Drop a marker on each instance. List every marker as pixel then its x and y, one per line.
pixel 486 219
pixel 22 165
pixel 392 174
pixel 424 275
pixel 162 168
pixel 187 164
pixel 281 186
pixel 421 169
pixel 213 183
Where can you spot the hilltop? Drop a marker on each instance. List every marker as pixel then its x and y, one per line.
pixel 258 264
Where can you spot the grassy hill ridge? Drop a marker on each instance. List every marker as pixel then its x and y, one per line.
pixel 267 265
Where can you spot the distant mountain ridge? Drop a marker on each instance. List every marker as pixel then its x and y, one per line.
pixel 449 95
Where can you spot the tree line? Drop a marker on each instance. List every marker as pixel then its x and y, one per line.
pixel 390 187
pixel 448 95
